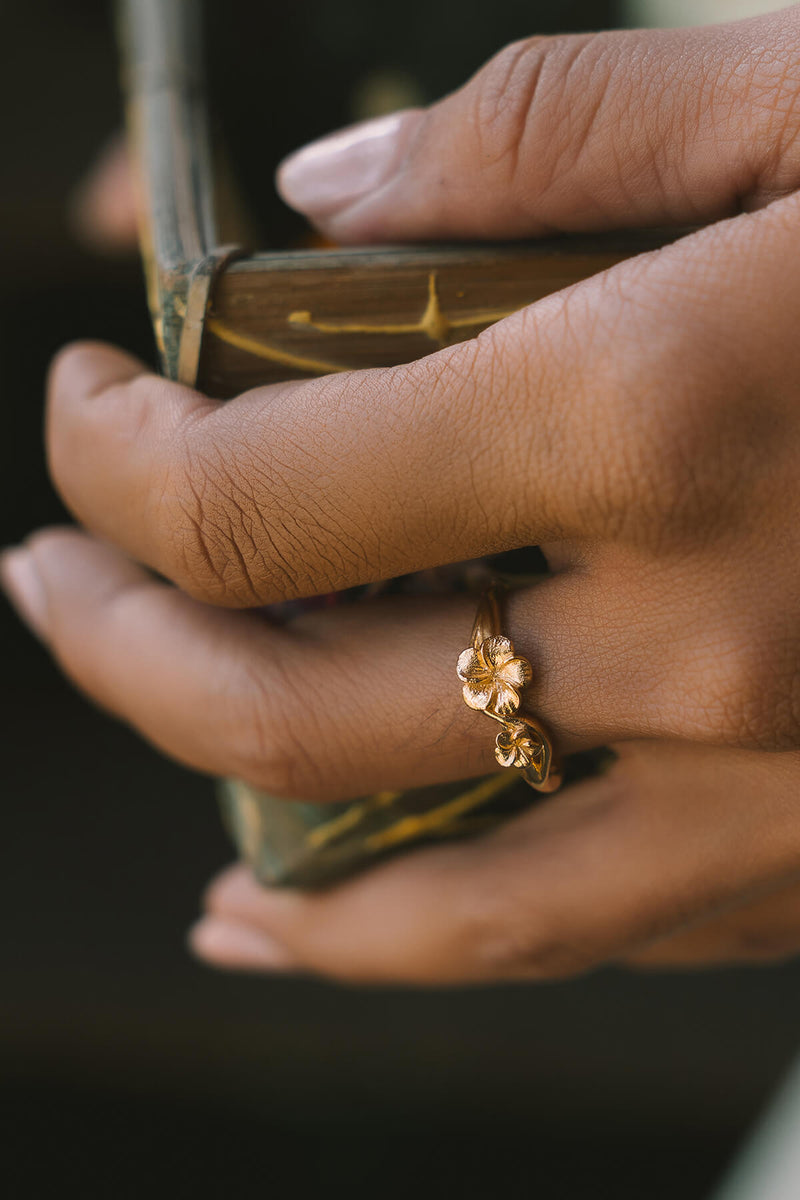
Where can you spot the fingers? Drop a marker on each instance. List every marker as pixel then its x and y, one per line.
pixel 340 703
pixel 669 835
pixel 763 931
pixel 103 208
pixel 673 834
pixel 554 426
pixel 572 133
pixel 330 709
pixel 300 489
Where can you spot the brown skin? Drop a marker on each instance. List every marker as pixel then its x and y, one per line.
pixel 644 427
pixel 103 209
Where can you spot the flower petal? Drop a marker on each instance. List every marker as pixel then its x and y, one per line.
pixel 517 745
pixel 522 758
pixel 470 665
pixel 506 699
pixel 497 651
pixel 477 696
pixel 506 758
pixel 516 672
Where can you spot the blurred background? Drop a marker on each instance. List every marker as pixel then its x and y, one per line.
pixel 128 1070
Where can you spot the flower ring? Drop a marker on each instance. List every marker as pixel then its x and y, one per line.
pixel 493 677
pixel 520 745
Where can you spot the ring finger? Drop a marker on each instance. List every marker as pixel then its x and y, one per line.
pixel 338 703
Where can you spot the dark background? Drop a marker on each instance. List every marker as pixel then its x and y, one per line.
pixel 126 1070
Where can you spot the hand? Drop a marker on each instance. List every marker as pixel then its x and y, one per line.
pixel 643 427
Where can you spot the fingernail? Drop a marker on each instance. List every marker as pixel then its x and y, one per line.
pixel 227 944
pixel 334 172
pixel 24 587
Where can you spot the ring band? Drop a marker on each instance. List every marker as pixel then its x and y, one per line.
pixel 494 678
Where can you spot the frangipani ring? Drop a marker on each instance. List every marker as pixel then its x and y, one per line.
pixel 494 678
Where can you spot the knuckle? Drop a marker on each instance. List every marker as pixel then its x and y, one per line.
pixel 447 401
pixel 528 489
pixel 555 92
pixel 764 944
pixel 669 436
pixel 249 520
pixel 504 938
pixel 747 691
pixel 271 741
pixel 524 99
pixel 204 550
pixel 765 83
pixel 218 546
pixel 505 92
pixel 637 476
pixel 532 953
pixel 651 481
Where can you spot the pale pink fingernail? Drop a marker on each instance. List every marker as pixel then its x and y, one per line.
pixel 24 587
pixel 227 944
pixel 334 172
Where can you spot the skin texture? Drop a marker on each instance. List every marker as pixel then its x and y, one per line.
pixel 643 427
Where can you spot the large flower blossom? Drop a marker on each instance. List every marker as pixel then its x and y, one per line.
pixel 493 676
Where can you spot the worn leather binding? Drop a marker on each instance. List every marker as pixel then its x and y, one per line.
pixel 226 319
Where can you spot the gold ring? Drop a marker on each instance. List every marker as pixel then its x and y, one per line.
pixel 494 678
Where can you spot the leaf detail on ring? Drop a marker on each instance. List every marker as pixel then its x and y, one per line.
pixel 493 676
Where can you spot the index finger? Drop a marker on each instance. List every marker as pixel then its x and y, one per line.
pixel 552 425
pixel 304 488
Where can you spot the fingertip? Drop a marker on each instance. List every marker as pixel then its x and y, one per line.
pixel 329 178
pixel 235 946
pixel 26 570
pixel 236 894
pixel 100 404
pixel 53 565
pixel 57 579
pixel 229 881
pixel 51 539
pixel 23 585
pixel 90 366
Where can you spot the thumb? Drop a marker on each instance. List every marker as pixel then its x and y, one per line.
pixel 573 133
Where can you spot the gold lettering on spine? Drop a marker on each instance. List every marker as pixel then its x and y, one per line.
pixel 444 819
pixel 434 322
pixel 313 366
